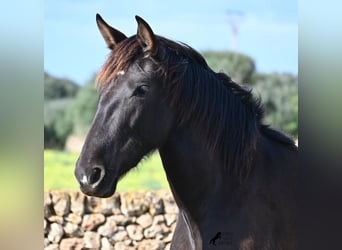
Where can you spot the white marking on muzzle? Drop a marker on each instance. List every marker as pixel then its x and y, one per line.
pixel 84 180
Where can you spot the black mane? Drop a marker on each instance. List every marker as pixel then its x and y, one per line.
pixel 227 114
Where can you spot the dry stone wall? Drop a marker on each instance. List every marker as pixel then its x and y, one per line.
pixel 140 220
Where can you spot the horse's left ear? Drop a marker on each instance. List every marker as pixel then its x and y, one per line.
pixel 112 36
pixel 145 36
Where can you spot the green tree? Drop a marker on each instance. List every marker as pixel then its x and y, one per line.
pixel 279 94
pixel 58 96
pixel 57 126
pixel 238 66
pixel 56 88
pixel 83 109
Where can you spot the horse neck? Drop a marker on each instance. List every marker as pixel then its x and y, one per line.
pixel 194 176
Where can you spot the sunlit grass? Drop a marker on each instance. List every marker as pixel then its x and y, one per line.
pixel 59 173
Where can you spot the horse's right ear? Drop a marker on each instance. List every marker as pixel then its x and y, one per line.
pixel 145 36
pixel 110 35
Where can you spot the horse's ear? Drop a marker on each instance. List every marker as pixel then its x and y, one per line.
pixel 110 35
pixel 145 36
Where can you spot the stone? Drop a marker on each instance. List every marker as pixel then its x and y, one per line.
pixel 122 220
pixel 134 204
pixel 159 237
pixel 170 205
pixel 72 230
pixel 61 202
pixel 48 206
pixel 168 238
pixel 45 228
pixel 168 246
pixel 165 229
pixel 56 218
pixel 170 219
pixel 151 245
pixel 55 233
pixel 46 242
pixel 92 204
pixel 92 221
pixel 156 231
pixel 74 218
pixel 129 243
pixel 109 228
pixel 123 246
pixel 119 236
pixel 48 211
pixel 144 220
pixel 91 240
pixel 71 243
pixel 173 227
pixel 111 205
pixel 106 206
pixel 77 203
pixel 105 244
pixel 147 221
pixel 158 219
pixel 135 232
pixel 153 231
pixel 156 203
pixel 47 198
pixel 119 246
pixel 52 247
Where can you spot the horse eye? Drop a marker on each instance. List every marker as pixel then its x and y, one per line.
pixel 140 90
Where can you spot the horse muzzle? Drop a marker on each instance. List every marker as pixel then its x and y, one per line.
pixel 90 179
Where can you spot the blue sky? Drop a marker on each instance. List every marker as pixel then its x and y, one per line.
pixel 74 48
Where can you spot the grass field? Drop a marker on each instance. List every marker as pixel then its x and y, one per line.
pixel 59 173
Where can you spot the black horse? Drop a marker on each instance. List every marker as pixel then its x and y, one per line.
pixel 228 172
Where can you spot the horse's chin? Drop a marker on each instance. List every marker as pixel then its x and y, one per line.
pixel 105 190
pixel 101 192
pixel 105 195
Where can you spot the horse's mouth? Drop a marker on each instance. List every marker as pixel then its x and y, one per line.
pixel 102 191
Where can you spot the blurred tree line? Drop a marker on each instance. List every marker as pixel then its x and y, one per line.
pixel 69 108
pixel 69 111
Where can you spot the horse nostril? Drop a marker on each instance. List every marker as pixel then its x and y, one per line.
pixel 95 176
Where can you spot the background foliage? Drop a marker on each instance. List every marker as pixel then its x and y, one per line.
pixel 67 109
pixel 57 124
pixel 238 66
pixel 83 108
pixel 56 88
pixel 279 94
